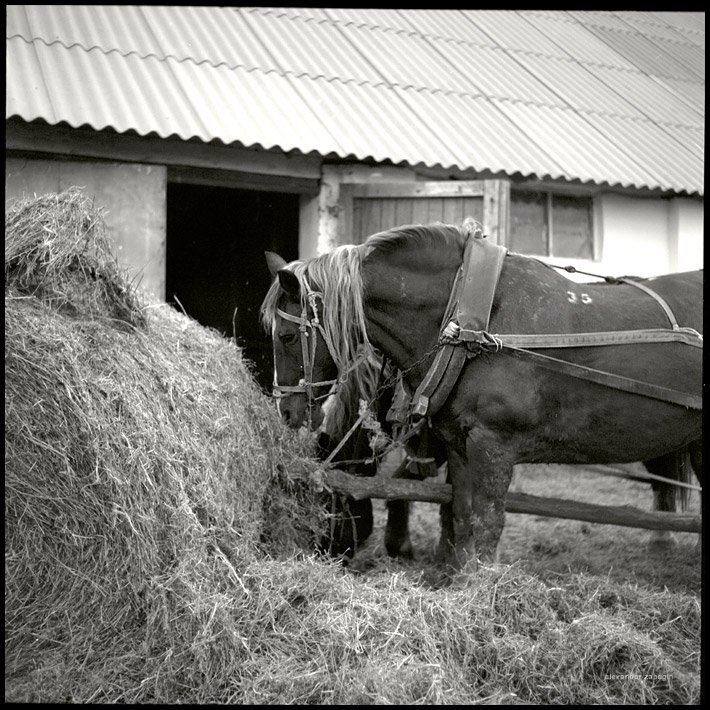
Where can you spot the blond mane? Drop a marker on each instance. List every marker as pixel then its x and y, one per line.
pixel 335 275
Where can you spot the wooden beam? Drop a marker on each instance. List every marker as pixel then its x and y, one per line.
pixel 242 180
pixel 625 515
pixel 448 188
pixel 429 491
pixel 496 210
pixel 107 144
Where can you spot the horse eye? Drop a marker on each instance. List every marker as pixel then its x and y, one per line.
pixel 288 338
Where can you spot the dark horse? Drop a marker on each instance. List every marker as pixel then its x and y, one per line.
pixel 391 293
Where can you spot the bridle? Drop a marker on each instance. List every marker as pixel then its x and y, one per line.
pixel 309 328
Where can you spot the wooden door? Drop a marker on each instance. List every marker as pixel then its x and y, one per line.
pixel 373 207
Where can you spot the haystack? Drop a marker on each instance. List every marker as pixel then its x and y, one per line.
pixel 142 462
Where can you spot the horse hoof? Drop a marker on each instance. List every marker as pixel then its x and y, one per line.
pixel 662 542
pixel 402 550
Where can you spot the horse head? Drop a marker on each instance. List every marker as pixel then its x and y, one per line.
pixel 304 368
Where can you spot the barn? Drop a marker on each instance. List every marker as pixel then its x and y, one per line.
pixel 211 134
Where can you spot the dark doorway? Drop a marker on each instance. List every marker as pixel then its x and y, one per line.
pixel 216 238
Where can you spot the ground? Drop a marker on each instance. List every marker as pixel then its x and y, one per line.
pixel 549 546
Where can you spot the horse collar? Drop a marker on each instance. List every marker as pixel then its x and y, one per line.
pixel 469 310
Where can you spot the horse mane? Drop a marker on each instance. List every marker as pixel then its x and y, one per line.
pixel 337 277
pixel 418 236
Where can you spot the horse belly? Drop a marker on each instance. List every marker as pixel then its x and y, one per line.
pixel 590 433
pixel 530 416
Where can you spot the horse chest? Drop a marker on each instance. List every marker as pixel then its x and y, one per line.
pixel 492 397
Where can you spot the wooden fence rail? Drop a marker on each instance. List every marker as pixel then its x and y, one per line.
pixel 433 492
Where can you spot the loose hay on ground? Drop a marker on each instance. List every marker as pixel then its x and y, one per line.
pixel 154 548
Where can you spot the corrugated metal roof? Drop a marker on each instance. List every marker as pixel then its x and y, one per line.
pixel 612 98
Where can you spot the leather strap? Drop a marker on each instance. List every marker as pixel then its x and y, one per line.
pixel 438 381
pixel 627 384
pixel 484 264
pixel 688 336
pixel 661 301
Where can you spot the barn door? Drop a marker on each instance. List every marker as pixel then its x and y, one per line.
pixel 372 207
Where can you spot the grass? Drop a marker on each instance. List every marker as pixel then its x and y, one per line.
pixel 156 550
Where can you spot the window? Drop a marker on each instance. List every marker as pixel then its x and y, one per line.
pixel 546 224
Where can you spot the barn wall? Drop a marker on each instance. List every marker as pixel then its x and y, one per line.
pixel 133 196
pixel 651 236
pixel 686 228
pixel 325 230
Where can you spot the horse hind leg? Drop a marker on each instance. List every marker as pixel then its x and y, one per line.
pixel 397 540
pixel 676 467
pixel 695 451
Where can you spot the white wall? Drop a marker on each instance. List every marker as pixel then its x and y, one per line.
pixel 640 236
pixel 132 195
pixel 686 218
pixel 635 237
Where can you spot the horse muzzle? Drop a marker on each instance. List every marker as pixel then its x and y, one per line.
pixel 296 413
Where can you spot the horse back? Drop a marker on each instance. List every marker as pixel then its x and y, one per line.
pixel 683 292
pixel 546 415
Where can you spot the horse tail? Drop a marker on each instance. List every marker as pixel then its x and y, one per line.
pixel 675 466
pixel 685 475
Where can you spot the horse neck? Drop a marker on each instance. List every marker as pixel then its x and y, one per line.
pixel 405 296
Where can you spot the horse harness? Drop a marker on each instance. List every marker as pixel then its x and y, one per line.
pixel 466 321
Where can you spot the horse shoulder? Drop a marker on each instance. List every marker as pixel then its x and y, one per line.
pixel 497 395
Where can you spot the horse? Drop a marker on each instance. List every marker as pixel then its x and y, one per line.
pixel 391 293
pixel 351 520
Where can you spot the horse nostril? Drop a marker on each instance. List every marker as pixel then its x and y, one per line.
pixel 289 419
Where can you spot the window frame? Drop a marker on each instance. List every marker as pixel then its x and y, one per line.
pixel 548 193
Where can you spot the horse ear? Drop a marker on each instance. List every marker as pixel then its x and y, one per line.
pixel 274 262
pixel 289 283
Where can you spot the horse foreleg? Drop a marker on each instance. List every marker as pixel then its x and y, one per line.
pixel 397 541
pixel 457 548
pixel 490 475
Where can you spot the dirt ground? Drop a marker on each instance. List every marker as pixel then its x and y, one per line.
pixel 548 547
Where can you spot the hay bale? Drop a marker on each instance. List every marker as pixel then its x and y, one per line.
pixel 142 462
